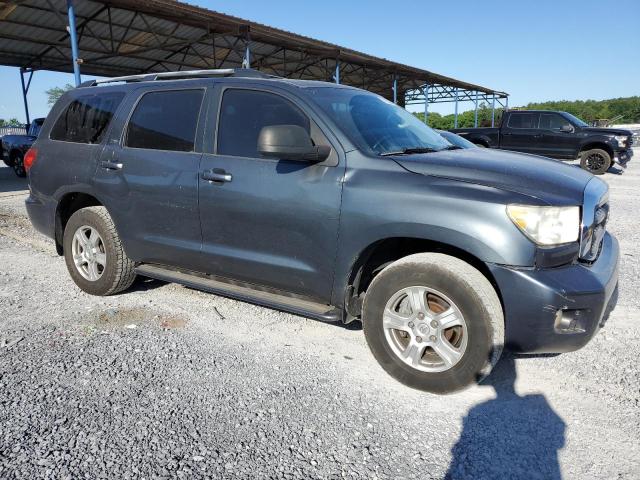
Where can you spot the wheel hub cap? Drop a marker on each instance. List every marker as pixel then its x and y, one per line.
pixel 89 254
pixel 425 329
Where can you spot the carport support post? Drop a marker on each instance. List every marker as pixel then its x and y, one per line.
pixel 475 115
pixel 25 89
pixel 74 41
pixel 395 89
pixel 426 102
pixel 455 115
pixel 336 75
pixel 493 110
pixel 506 106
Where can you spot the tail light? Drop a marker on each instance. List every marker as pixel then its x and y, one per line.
pixel 30 158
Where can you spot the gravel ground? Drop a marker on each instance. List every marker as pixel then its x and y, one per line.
pixel 168 382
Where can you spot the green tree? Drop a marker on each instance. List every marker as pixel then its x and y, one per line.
pixel 55 93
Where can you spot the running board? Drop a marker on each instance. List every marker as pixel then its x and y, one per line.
pixel 305 308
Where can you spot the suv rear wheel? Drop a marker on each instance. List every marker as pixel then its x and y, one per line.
pixel 596 161
pixel 433 322
pixel 94 255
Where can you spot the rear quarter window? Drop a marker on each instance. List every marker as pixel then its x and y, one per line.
pixel 165 120
pixel 523 120
pixel 87 118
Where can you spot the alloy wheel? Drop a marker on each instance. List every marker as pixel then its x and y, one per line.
pixel 425 329
pixel 89 254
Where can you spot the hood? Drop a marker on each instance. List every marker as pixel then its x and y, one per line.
pixel 548 180
pixel 607 131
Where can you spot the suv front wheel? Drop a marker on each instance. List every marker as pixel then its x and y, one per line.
pixel 433 322
pixel 94 254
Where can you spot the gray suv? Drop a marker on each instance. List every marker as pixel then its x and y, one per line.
pixel 329 202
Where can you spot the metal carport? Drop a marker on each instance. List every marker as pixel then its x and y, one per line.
pixel 123 37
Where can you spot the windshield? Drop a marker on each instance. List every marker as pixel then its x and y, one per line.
pixel 35 127
pixel 376 125
pixel 456 140
pixel 575 120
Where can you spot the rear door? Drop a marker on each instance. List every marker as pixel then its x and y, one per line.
pixel 148 176
pixel 521 132
pixel 553 141
pixel 271 222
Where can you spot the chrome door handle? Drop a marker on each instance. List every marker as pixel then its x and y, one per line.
pixel 217 175
pixel 109 165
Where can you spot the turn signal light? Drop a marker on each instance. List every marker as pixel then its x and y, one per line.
pixel 30 158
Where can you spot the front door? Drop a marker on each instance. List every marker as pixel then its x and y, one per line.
pixel 148 178
pixel 554 141
pixel 268 222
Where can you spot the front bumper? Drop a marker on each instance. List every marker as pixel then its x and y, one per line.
pixel 623 156
pixel 532 299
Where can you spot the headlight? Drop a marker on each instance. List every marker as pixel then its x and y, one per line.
pixel 547 225
pixel 621 139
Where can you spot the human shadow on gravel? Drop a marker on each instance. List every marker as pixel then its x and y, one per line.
pixel 510 436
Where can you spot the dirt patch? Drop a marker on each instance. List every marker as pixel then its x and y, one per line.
pixel 137 316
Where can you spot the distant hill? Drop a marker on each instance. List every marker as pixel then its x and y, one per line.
pixel 588 110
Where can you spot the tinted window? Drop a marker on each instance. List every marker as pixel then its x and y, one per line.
pixel 374 124
pixel 523 120
pixel 552 121
pixel 165 121
pixel 245 112
pixel 86 119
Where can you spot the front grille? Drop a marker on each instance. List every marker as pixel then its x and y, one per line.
pixel 595 213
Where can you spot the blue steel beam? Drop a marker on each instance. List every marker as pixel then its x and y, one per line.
pixel 395 89
pixel 475 115
pixel 493 111
pixel 455 115
pixel 74 41
pixel 25 90
pixel 426 103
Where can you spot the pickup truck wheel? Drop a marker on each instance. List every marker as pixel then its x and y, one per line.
pixel 17 163
pixel 433 322
pixel 596 161
pixel 94 255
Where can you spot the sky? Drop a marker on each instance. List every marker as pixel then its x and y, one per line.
pixel 535 50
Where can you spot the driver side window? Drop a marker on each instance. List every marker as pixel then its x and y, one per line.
pixel 244 113
pixel 552 121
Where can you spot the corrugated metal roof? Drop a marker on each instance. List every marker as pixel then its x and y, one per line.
pixel 122 37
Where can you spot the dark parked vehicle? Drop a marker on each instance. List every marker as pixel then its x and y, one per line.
pixel 558 135
pixel 330 202
pixel 455 139
pixel 15 146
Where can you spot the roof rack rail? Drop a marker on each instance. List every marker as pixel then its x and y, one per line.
pixel 185 74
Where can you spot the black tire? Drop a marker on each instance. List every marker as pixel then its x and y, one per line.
pixel 118 273
pixel 17 163
pixel 596 161
pixel 474 297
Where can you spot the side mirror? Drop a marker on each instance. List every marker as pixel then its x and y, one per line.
pixel 290 142
pixel 566 128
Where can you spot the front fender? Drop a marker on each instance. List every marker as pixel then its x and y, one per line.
pixel 394 203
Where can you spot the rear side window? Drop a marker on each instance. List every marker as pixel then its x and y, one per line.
pixel 523 120
pixel 87 118
pixel 245 112
pixel 165 120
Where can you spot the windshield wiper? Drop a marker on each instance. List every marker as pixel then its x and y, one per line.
pixel 410 150
pixel 453 147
